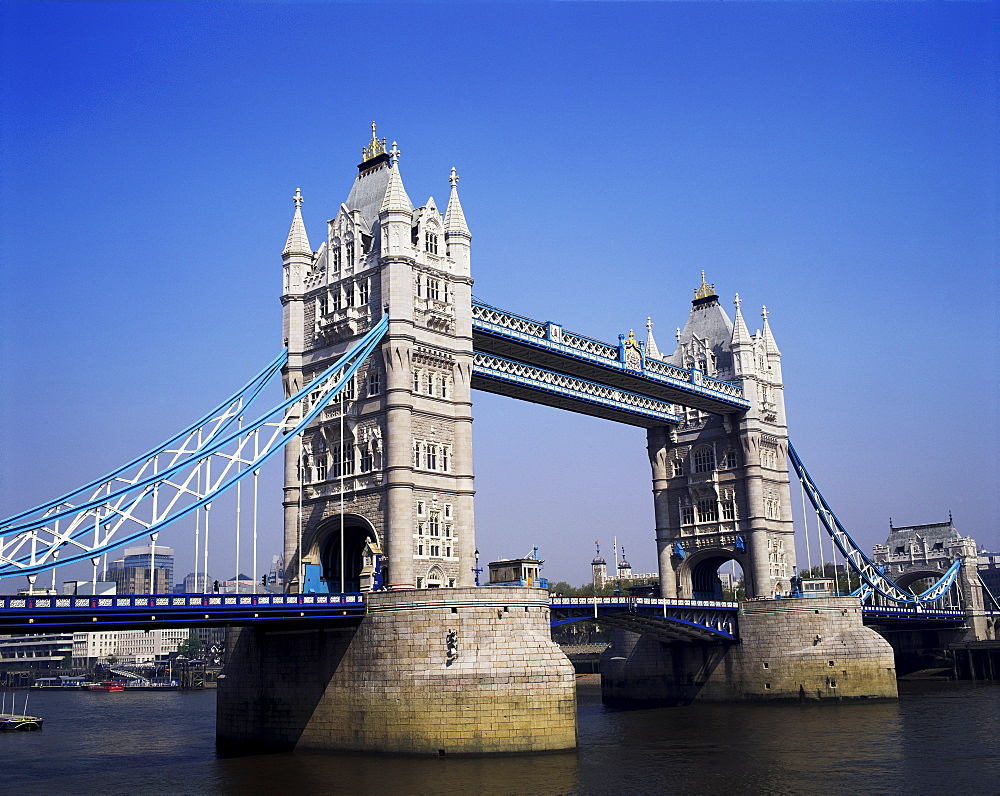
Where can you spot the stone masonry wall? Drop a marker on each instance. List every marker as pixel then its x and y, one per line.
pixel 430 671
pixel 811 648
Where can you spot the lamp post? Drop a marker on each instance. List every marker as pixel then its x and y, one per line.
pixel 477 570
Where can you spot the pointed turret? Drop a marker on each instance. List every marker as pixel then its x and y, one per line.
pixel 741 344
pixel 395 197
pixel 652 352
pixel 454 218
pixel 298 240
pixel 772 347
pixel 457 237
pixel 704 342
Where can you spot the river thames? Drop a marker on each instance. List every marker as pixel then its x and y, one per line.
pixel 939 737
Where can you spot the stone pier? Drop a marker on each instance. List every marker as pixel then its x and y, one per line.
pixel 428 671
pixel 807 649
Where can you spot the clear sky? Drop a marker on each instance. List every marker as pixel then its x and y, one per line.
pixel 837 162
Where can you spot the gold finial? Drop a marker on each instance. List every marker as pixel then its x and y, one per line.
pixel 375 149
pixel 704 290
pixel 631 338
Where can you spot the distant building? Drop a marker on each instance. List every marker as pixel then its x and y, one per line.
pixel 600 567
pixel 35 651
pixel 143 570
pixel 195 584
pixel 989 572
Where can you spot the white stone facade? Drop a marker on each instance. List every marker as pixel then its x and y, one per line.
pixel 394 457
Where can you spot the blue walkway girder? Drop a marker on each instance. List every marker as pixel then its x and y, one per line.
pixel 513 379
pixel 549 347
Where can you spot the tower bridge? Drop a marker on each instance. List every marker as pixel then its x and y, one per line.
pixel 384 344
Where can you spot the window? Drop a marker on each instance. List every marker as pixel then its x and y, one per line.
pixel 728 510
pixel 447 531
pixel 429 383
pixel 420 507
pixel 704 459
pixel 363 292
pixel 420 583
pixel 445 459
pixel 443 386
pixel 444 292
pixel 343 460
pixel 435 550
pixel 687 515
pixel 434 289
pixel 730 461
pixel 336 300
pixel 431 242
pixel 416 454
pixel 420 550
pixel 374 385
pixel 349 294
pixel 336 255
pixel 321 468
pixel 321 305
pixel 350 254
pixel 678 467
pixel 707 511
pixel 434 526
pixel 430 456
pixel 416 381
pixel 447 552
pixel 447 510
pixel 420 285
pixel 366 459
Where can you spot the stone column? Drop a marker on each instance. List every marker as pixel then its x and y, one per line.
pixel 658 447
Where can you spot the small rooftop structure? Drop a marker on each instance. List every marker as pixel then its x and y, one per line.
pixel 518 572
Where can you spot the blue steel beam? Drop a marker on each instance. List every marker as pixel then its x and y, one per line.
pixel 548 347
pixel 528 383
pixel 48 614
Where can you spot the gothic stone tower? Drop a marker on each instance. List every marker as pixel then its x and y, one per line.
pixel 720 483
pixel 391 464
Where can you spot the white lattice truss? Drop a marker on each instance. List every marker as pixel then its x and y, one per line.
pixel 180 477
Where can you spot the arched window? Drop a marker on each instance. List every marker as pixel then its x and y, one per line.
pixel 704 459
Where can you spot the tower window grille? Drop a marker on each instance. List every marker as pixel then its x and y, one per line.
pixel 443 385
pixel 445 459
pixel 349 391
pixel 321 468
pixel 336 301
pixel 704 459
pixel 350 254
pixel 678 467
pixel 321 305
pixel 687 515
pixel 434 289
pixel 349 294
pixel 707 510
pixel 374 386
pixel 336 255
pixel 363 291
pixel 416 454
pixel 429 383
pixel 366 459
pixel 431 242
pixel 416 381
pixel 430 456
pixel 434 526
pixel 728 510
pixel 729 461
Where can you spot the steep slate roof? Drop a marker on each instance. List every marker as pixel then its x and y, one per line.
pixel 368 190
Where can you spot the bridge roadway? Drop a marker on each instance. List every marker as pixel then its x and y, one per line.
pixel 666 620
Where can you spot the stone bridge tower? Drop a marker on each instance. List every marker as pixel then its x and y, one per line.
pixel 720 483
pixel 389 467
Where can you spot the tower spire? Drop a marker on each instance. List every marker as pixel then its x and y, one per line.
pixel 651 349
pixel 454 218
pixel 740 332
pixel 772 347
pixel 298 240
pixel 395 197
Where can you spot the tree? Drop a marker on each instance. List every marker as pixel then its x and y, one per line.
pixel 190 647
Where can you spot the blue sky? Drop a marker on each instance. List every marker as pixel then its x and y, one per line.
pixel 834 161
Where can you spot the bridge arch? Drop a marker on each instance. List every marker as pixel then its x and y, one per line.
pixel 699 578
pixel 357 533
pixel 918 580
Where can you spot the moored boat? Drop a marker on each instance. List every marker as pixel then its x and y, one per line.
pixel 22 723
pixel 106 685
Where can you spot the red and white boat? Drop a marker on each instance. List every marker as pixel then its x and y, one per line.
pixel 107 685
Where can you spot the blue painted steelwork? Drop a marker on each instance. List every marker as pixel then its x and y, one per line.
pixel 27 613
pixel 224 412
pixel 116 509
pixel 860 563
pixel 548 346
pixel 913 612
pixel 668 619
pixel 618 402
